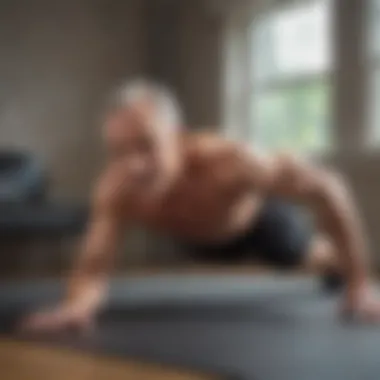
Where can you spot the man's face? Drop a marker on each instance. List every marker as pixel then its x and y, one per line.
pixel 141 142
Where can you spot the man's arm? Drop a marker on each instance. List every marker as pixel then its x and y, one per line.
pixel 87 283
pixel 88 280
pixel 329 197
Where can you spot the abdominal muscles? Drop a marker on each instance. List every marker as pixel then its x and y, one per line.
pixel 204 214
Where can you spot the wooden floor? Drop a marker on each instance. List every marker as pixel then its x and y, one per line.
pixel 27 361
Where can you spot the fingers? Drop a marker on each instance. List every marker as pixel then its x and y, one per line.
pixel 30 322
pixel 367 311
pixel 44 321
pixel 372 312
pixel 40 322
pixel 58 320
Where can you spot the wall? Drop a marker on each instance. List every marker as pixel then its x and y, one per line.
pixel 351 122
pixel 57 61
pixel 163 40
pixel 362 172
pixel 200 54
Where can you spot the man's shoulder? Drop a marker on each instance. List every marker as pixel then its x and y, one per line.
pixel 211 145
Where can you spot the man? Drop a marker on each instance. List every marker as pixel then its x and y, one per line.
pixel 214 195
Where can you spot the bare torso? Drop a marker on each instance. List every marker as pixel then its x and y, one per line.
pixel 205 203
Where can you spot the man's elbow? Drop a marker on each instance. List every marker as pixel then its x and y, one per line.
pixel 332 187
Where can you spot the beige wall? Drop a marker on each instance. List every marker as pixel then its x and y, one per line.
pixel 57 60
pixel 363 173
pixel 184 48
pixel 200 54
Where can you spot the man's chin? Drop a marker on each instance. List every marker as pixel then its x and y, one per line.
pixel 159 188
pixel 152 189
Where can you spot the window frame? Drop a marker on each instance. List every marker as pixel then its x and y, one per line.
pixel 252 88
pixel 372 58
pixel 350 129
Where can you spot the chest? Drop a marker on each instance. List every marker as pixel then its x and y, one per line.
pixel 202 195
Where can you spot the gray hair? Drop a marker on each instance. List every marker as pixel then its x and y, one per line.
pixel 129 93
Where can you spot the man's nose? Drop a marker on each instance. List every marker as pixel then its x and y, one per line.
pixel 138 167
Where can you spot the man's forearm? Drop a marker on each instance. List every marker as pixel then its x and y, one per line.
pixel 86 290
pixel 341 220
pixel 88 281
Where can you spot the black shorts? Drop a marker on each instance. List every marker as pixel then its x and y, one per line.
pixel 280 236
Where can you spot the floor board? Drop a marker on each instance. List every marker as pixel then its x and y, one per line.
pixel 19 361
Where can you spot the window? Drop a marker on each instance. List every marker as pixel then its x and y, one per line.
pixel 374 74
pixel 289 90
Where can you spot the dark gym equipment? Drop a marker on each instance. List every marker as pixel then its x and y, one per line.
pixel 241 327
pixel 25 207
pixel 22 178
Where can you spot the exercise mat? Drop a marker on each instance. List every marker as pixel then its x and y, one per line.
pixel 247 327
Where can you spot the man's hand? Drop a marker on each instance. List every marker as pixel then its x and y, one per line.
pixel 87 284
pixel 61 318
pixel 361 303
